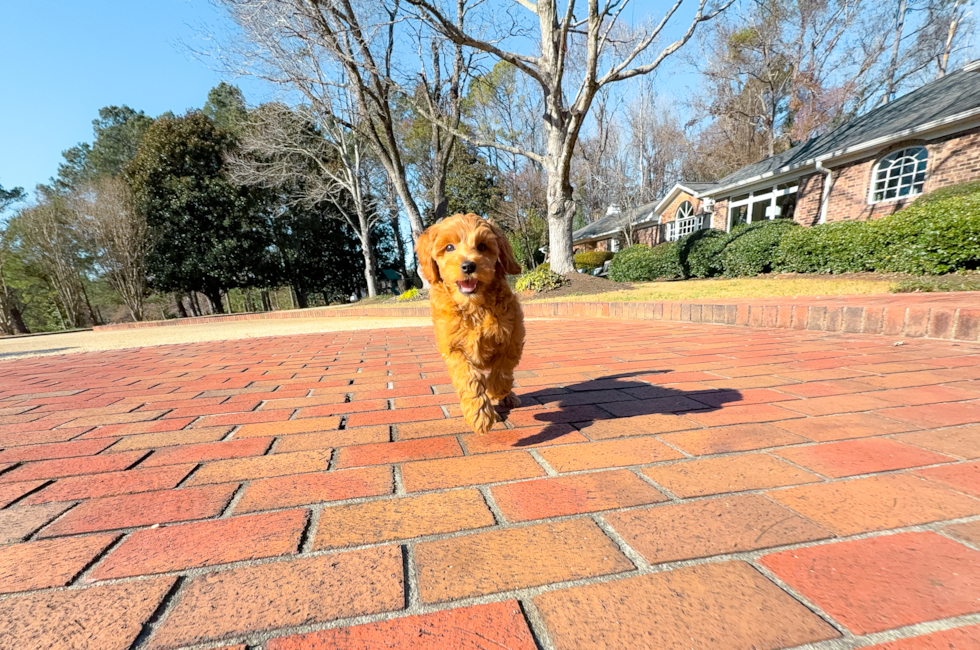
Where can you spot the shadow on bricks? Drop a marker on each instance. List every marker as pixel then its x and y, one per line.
pixel 623 405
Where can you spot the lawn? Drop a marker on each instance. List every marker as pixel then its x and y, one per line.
pixel 733 288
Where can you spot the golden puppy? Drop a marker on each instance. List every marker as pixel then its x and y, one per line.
pixel 478 321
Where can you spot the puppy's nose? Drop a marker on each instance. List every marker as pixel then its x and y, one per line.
pixel 468 266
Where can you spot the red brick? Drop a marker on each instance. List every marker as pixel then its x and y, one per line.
pixel 111 484
pixel 963 442
pixel 496 626
pixel 894 323
pixel 115 418
pixel 396 416
pixel 730 524
pixel 397 452
pixel 742 415
pixel 250 417
pixel 637 426
pixel 246 469
pixel 469 470
pixel 967 325
pixel 56 450
pixel 402 518
pixel 567 495
pixel 170 438
pixel 145 509
pixel 18 522
pixel 302 489
pixel 286 427
pixel 204 543
pixel 610 453
pixel 880 583
pixel 916 321
pixel 515 558
pixel 523 438
pixel 963 477
pixel 343 407
pixel 48 563
pixel 48 469
pixel 741 437
pixel 19 439
pixel 208 451
pixel 876 503
pixel 10 492
pixel 704 476
pixel 729 605
pixel 841 427
pixel 108 617
pixel 936 415
pixel 282 594
pixel 961 638
pixel 864 456
pixel 836 404
pixel 328 439
pixel 969 532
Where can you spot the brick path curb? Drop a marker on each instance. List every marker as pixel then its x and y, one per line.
pixel 950 316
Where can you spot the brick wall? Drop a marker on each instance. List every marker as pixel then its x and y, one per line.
pixel 719 218
pixel 954 159
pixel 649 236
pixel 671 210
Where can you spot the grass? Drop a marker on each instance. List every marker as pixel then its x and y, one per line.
pixel 966 281
pixel 737 288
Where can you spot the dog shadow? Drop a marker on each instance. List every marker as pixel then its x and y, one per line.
pixel 611 397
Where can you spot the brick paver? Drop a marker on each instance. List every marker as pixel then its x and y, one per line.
pixel 662 485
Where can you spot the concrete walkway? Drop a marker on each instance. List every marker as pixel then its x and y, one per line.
pixel 665 485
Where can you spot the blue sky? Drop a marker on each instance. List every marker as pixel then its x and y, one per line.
pixel 61 61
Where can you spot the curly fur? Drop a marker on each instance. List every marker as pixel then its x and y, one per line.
pixel 479 334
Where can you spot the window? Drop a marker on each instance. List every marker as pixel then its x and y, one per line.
pixel 686 210
pixel 899 174
pixel 777 202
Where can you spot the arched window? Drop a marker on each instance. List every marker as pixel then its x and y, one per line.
pixel 899 174
pixel 686 210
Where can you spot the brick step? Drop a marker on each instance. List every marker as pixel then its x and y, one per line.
pixel 954 315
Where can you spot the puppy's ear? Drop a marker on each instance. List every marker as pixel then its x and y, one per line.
pixel 506 263
pixel 423 249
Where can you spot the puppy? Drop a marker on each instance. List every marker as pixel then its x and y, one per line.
pixel 478 322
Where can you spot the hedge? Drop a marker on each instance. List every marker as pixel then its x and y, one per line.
pixel 540 279
pixel 750 249
pixel 590 260
pixel 700 253
pixel 938 233
pixel 641 263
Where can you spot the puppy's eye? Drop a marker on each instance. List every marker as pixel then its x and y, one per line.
pixel 481 247
pixel 450 248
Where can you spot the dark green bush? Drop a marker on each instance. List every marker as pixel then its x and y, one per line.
pixel 590 260
pixel 751 248
pixel 641 263
pixel 700 253
pixel 540 279
pixel 842 247
pixel 938 233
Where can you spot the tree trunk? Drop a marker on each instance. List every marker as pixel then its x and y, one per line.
pixel 411 208
pixel 17 320
pixel 214 297
pixel 181 310
pixel 266 300
pixel 561 209
pixel 370 267
pixel 893 66
pixel 301 299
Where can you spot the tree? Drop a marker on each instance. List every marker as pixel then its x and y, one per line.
pixel 49 243
pixel 107 213
pixel 226 107
pixel 118 132
pixel 9 197
pixel 11 320
pixel 567 43
pixel 311 159
pixel 210 235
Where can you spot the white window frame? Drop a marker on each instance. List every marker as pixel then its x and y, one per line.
pixel 769 194
pixel 894 157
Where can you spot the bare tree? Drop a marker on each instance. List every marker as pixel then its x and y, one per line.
pixel 568 42
pixel 108 215
pixel 313 158
pixel 11 320
pixel 48 234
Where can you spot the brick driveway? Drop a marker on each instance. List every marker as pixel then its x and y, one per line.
pixel 664 486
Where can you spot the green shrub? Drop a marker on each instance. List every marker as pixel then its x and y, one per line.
pixel 641 263
pixel 951 282
pixel 700 253
pixel 540 279
pixel 842 247
pixel 933 237
pixel 411 294
pixel 750 248
pixel 943 193
pixel 590 260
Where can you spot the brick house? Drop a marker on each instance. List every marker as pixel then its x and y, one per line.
pixel 870 167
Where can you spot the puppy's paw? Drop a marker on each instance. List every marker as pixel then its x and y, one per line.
pixel 512 401
pixel 484 419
